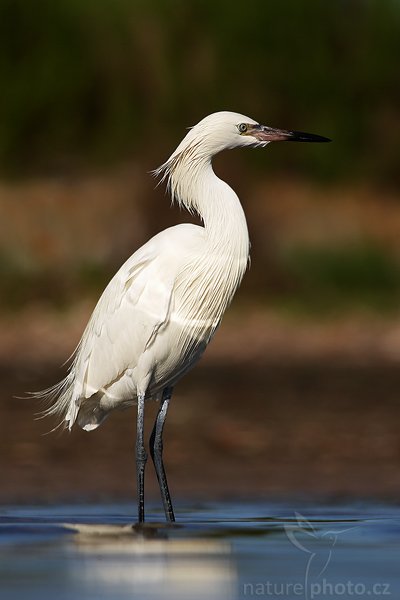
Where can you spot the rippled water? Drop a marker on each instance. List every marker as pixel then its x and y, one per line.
pixel 217 551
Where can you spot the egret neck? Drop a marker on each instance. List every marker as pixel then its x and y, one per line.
pixel 197 188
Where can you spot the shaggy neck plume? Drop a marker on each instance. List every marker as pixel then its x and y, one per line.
pixel 194 185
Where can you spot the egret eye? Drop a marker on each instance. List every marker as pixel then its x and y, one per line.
pixel 242 127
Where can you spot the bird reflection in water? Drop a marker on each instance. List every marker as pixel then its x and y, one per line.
pixel 142 561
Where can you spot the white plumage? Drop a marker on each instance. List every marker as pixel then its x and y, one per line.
pixel 159 312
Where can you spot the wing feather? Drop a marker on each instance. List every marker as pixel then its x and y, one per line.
pixel 125 322
pixel 135 306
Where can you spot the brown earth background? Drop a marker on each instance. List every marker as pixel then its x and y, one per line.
pixel 284 401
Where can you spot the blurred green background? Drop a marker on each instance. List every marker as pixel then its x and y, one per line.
pixel 88 86
pixel 93 81
pixel 94 95
pixel 96 81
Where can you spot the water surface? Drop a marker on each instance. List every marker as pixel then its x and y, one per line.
pixel 217 551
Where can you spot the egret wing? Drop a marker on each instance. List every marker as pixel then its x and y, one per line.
pixel 133 308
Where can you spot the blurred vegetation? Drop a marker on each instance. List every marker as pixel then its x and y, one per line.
pixel 331 279
pixel 90 82
pixel 20 287
pixel 305 280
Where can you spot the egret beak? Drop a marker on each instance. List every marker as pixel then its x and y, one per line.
pixel 269 134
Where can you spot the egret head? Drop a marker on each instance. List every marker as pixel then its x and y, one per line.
pixel 216 132
pixel 224 130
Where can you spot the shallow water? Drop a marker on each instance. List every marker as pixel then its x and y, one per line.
pixel 218 551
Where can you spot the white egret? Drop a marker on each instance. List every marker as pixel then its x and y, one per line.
pixel 159 312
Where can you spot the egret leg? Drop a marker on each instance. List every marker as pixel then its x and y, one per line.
pixel 156 449
pixel 141 457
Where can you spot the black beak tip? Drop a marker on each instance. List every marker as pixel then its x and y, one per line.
pixel 301 136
